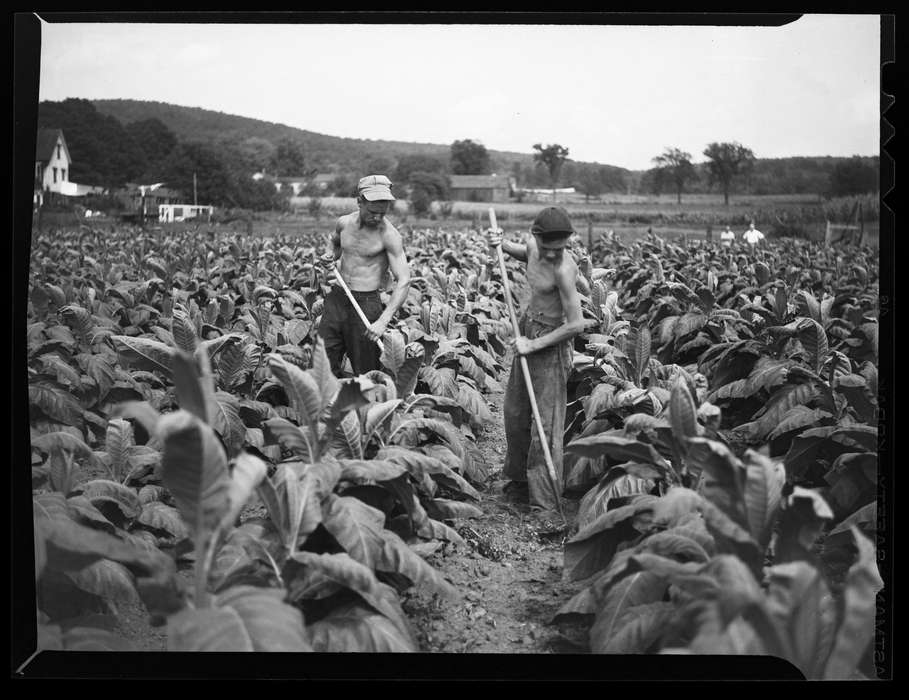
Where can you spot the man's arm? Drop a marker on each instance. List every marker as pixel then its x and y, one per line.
pixel 333 250
pixel 334 244
pixel 566 279
pixel 400 268
pixel 515 250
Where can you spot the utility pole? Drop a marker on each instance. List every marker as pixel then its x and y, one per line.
pixel 195 202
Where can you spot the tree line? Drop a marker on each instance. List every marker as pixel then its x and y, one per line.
pixel 730 165
pixel 109 153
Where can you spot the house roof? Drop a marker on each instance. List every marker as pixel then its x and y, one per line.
pixel 47 140
pixel 323 177
pixel 478 181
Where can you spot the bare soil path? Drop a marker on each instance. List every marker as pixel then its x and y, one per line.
pixel 510 575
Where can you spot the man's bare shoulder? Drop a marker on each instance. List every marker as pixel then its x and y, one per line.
pixel 567 270
pixel 346 220
pixel 389 233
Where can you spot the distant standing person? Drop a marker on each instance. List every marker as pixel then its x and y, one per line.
pixel 368 247
pixel 727 237
pixel 552 319
pixel 752 236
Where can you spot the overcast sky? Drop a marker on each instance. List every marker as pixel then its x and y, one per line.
pixel 612 94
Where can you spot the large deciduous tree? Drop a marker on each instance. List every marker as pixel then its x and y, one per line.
pixel 677 168
pixel 553 156
pixel 469 158
pixel 289 159
pixel 216 184
pixel 653 181
pixel 725 162
pixel 424 188
pixel 256 154
pixel 345 185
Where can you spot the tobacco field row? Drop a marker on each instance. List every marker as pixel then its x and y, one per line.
pixel 192 450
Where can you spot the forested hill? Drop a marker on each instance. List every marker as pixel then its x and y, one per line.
pixel 117 141
pixel 795 175
pixel 327 153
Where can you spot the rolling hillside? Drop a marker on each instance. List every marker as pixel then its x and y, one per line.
pixel 331 153
pixel 794 175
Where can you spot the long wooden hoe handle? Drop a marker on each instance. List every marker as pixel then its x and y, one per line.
pixel 544 441
pixel 354 303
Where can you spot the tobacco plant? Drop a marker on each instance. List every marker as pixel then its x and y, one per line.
pixel 692 540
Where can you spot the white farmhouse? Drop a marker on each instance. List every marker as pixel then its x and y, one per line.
pixel 52 161
pixel 52 167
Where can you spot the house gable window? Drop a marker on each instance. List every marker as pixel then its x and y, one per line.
pixel 63 174
pixel 55 174
pixel 58 151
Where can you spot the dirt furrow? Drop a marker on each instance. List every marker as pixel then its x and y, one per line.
pixel 509 575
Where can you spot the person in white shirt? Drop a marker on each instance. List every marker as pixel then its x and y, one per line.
pixel 727 237
pixel 752 236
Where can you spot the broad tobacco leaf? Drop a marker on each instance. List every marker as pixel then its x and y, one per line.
pixel 359 529
pixel 244 618
pixel 856 628
pixel 593 548
pixel 194 470
pixel 100 491
pixel 144 353
pixel 360 579
pixel 160 516
pixel 764 483
pixel 617 447
pixel 55 402
pixel 355 628
pixel 637 628
pixel 106 579
pixel 803 607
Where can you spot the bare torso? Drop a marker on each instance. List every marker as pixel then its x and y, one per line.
pixel 364 256
pixel 541 276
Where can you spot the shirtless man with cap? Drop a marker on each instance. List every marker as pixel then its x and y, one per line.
pixel 549 324
pixel 368 247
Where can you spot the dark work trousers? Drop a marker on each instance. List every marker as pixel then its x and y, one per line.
pixel 344 332
pixel 549 369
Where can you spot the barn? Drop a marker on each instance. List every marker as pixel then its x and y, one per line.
pixel 479 188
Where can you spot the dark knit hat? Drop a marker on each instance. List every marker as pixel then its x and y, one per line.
pixel 552 222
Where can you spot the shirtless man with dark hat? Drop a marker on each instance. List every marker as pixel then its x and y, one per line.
pixel 552 319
